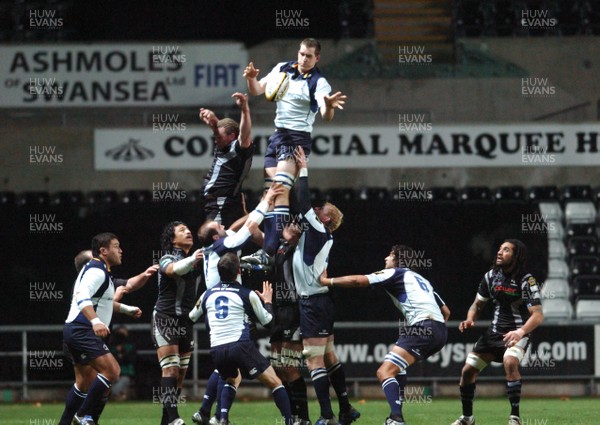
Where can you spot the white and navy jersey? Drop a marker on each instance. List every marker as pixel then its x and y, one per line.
pixel 228 308
pixel 176 294
pixel 311 256
pixel 212 254
pixel 411 293
pixel 229 168
pixel 293 110
pixel 511 299
pixel 93 287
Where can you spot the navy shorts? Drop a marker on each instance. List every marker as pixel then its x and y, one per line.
pixel 81 345
pixel 242 355
pixel 423 339
pixel 282 144
pixel 493 343
pixel 172 330
pixel 286 323
pixel 317 314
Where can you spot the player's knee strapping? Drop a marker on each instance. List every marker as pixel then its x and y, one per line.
pixel 396 359
pixel 313 351
pixel 286 179
pixel 514 352
pixel 184 361
pixel 267 183
pixel 329 347
pixel 476 361
pixel 171 360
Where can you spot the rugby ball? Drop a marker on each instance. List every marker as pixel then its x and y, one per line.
pixel 277 86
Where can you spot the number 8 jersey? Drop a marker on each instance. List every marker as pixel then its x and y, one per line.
pixel 228 307
pixel 411 293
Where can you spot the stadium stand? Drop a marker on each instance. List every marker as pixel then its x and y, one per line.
pixel 555 289
pixel 588 310
pixel 557 309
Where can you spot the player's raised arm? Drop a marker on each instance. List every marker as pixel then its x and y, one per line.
pixel 170 267
pixel 245 136
pixel 263 313
pixel 197 311
pixel 302 192
pixel 255 87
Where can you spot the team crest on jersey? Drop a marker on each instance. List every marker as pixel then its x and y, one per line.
pixel 531 281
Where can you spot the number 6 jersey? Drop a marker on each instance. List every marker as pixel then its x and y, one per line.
pixel 228 307
pixel 411 293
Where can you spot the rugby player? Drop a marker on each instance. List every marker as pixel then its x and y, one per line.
pixel 172 331
pixel 227 307
pixel 308 93
pixel 426 332
pixel 517 312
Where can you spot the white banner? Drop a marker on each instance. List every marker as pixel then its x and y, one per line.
pixel 173 145
pixel 121 75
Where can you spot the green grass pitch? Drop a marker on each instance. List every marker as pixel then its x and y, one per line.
pixel 436 411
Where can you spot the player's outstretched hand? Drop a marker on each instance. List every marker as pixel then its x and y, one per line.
pixel 250 72
pixel 336 100
pixel 274 191
pixel 267 293
pixel 151 271
pixel 208 117
pixel 198 255
pixel 300 157
pixel 241 100
pixel 465 324
pixel 137 313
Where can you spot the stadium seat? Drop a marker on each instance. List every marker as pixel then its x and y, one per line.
pixel 589 310
pixel 551 211
pixel 509 194
pixel 556 250
pixel 582 245
pixel 476 194
pixel 374 194
pixel 554 289
pixel 67 198
pixel 136 196
pixel 586 286
pixel 7 198
pixel 102 197
pixel 582 265
pixel 557 269
pixel 581 229
pixel 444 194
pixel 577 193
pixel 337 195
pixel 543 193
pixel 556 231
pixel 580 212
pixel 33 198
pixel 557 309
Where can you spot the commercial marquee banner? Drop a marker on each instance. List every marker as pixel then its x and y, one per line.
pixel 100 75
pixel 169 144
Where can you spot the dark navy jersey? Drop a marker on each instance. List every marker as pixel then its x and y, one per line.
pixel 511 299
pixel 284 289
pixel 176 294
pixel 229 168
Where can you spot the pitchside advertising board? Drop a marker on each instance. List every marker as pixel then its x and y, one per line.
pixel 170 144
pixel 554 351
pixel 104 75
